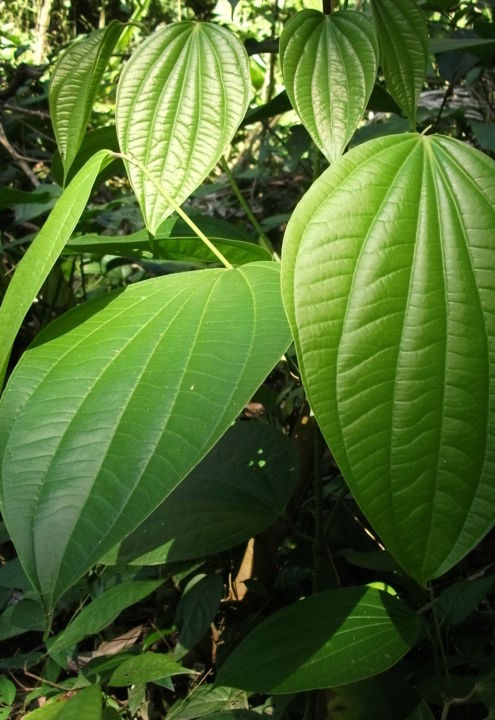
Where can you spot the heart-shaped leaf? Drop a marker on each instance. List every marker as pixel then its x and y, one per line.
pixel 403 40
pixel 118 400
pixel 180 100
pixel 332 638
pixel 389 284
pixel 329 63
pixel 73 87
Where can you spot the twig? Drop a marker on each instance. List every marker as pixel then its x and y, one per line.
pixel 18 159
pixel 29 674
pixel 25 111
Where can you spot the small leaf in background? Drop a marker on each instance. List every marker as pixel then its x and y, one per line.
pixel 204 700
pixel 104 138
pixel 102 611
pixel 388 277
pixel 334 637
pixel 403 40
pixel 174 117
pixel 145 668
pixel 485 134
pixel 118 400
pixel 241 487
pixel 196 610
pixel 459 600
pixel 329 63
pixel 21 617
pixel 74 85
pixel 41 255
pixel 7 691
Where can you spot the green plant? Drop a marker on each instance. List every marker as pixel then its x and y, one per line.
pixel 115 426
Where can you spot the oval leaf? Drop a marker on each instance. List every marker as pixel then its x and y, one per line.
pixel 146 668
pixel 73 87
pixel 180 100
pixel 389 284
pixel 403 40
pixel 118 400
pixel 329 63
pixel 333 638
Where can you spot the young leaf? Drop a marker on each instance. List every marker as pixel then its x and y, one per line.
pixel 332 638
pixel 180 100
pixel 403 40
pixel 102 611
pixel 236 491
pixel 329 63
pixel 37 262
pixel 118 400
pixel 146 668
pixel 389 284
pixel 73 87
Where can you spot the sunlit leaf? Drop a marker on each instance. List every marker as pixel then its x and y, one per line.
pixel 180 100
pixel 329 64
pixel 389 284
pixel 73 87
pixel 118 400
pixel 332 638
pixel 403 40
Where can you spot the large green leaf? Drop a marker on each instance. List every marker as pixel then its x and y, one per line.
pixel 335 637
pixel 180 100
pixel 118 400
pixel 403 40
pixel 329 63
pixel 388 280
pixel 34 267
pixel 73 87
pixel 236 491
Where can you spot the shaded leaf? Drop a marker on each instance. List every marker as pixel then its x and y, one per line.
pixel 160 363
pixel 388 279
pixel 329 63
pixel 175 117
pixel 197 608
pixel 145 668
pixel 403 40
pixel 73 87
pixel 203 700
pixel 331 638
pixel 460 599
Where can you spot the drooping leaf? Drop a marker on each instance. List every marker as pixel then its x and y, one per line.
pixel 332 638
pixel 146 667
pixel 102 611
pixel 403 41
pixel 238 489
pixel 388 280
pixel 180 100
pixel 37 262
pixel 73 87
pixel 118 400
pixel 329 63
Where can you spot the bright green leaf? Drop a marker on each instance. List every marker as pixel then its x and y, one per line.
pixel 145 668
pixel 237 490
pixel 73 87
pixel 102 611
pixel 37 262
pixel 329 63
pixel 335 637
pixel 403 40
pixel 180 100
pixel 7 691
pixel 118 400
pixel 388 277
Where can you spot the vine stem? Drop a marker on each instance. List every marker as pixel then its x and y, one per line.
pixel 264 239
pixel 170 201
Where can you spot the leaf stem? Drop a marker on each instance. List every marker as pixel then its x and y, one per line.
pixel 264 239
pixel 180 212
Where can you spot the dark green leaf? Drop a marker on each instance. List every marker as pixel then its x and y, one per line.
pixel 197 608
pixel 459 600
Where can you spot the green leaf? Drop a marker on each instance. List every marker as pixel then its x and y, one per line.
pixel 460 599
pixel 73 87
pixel 174 116
pixel 102 611
pixel 238 489
pixel 403 40
pixel 85 705
pixel 388 277
pixel 196 609
pixel 329 63
pixel 104 138
pixel 22 617
pixel 205 700
pixel 118 400
pixel 40 257
pixel 335 637
pixel 7 691
pixel 146 668
pixel 447 44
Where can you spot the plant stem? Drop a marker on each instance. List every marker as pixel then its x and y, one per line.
pixel 264 239
pixel 180 212
pixel 327 7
